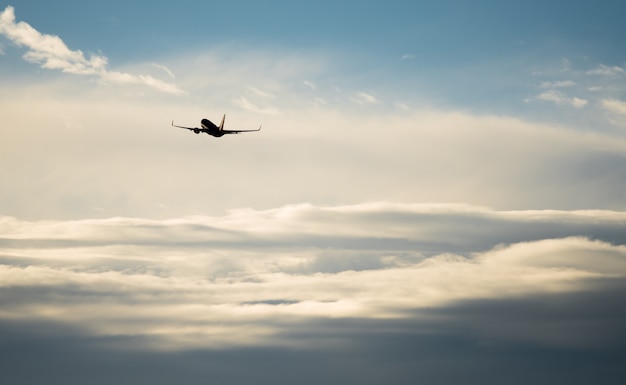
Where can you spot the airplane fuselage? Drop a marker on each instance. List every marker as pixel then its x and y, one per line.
pixel 210 128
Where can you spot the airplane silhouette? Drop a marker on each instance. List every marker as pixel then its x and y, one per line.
pixel 210 128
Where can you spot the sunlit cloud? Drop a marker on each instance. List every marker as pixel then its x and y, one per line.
pixel 615 106
pixel 616 109
pixel 50 52
pixel 421 155
pixel 200 282
pixel 559 98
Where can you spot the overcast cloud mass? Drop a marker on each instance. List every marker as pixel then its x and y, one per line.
pixel 436 196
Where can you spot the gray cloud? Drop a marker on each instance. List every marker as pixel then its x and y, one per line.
pixel 418 292
pixel 433 228
pixel 255 278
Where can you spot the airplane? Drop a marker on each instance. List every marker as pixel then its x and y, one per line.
pixel 210 128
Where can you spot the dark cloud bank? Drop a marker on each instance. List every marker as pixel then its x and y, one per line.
pixel 574 338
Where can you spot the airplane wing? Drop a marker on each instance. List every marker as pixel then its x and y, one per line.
pixel 187 128
pixel 238 131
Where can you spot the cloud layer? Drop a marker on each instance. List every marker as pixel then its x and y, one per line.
pixel 241 279
pixel 50 52
pixel 418 292
pixel 83 161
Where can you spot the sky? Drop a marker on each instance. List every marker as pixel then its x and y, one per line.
pixel 436 195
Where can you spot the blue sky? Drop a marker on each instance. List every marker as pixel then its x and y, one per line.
pixel 479 55
pixel 436 194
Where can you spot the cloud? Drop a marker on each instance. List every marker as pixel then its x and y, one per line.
pixel 258 278
pixel 559 98
pixel 604 70
pixel 422 155
pixel 616 109
pixel 566 65
pixel 244 103
pixel 614 105
pixel 257 92
pixel 592 88
pixel 165 69
pixel 50 52
pixel 557 84
pixel 365 98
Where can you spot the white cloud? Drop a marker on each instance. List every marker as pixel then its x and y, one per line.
pixel 421 155
pixel 604 70
pixel 165 69
pixel 311 85
pixel 616 109
pixel 199 282
pixel 558 98
pixel 557 84
pixel 614 105
pixel 257 92
pixel 365 98
pixel 407 57
pixel 246 104
pixel 50 52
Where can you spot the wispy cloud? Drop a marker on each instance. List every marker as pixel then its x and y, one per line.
pixel 257 92
pixel 557 84
pixel 559 98
pixel 246 104
pixel 165 69
pixel 604 70
pixel 50 52
pixel 365 98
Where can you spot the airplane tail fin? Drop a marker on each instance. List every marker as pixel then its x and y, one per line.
pixel 222 124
